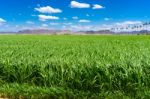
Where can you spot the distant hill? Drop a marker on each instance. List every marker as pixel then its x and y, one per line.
pixel 43 31
pixel 145 32
pixel 97 32
pixel 47 31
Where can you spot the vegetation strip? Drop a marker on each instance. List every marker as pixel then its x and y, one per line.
pixel 83 66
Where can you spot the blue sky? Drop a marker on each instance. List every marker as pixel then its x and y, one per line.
pixel 71 14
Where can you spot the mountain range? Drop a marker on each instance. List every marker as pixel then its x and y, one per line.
pixel 47 31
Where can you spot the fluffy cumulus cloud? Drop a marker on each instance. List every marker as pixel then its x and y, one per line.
pixel 48 9
pixel 75 4
pixel 2 21
pixel 84 21
pixel 96 6
pixel 47 17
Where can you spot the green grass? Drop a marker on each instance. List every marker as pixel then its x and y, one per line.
pixel 112 67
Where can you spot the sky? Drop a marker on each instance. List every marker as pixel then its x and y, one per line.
pixel 71 14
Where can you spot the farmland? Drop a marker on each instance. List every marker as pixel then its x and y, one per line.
pixel 69 66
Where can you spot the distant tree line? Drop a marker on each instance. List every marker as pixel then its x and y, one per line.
pixel 129 28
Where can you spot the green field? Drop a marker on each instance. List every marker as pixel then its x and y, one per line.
pixel 67 66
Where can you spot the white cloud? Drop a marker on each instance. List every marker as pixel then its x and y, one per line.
pixel 33 15
pixel 128 23
pixel 96 6
pixel 87 15
pixel 75 18
pixel 44 25
pixel 48 9
pixel 127 26
pixel 64 27
pixel 2 21
pixel 65 18
pixel 75 4
pixel 95 27
pixel 105 27
pixel 52 23
pixel 29 22
pixel 45 17
pixel 81 27
pixel 67 23
pixel 84 21
pixel 106 19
